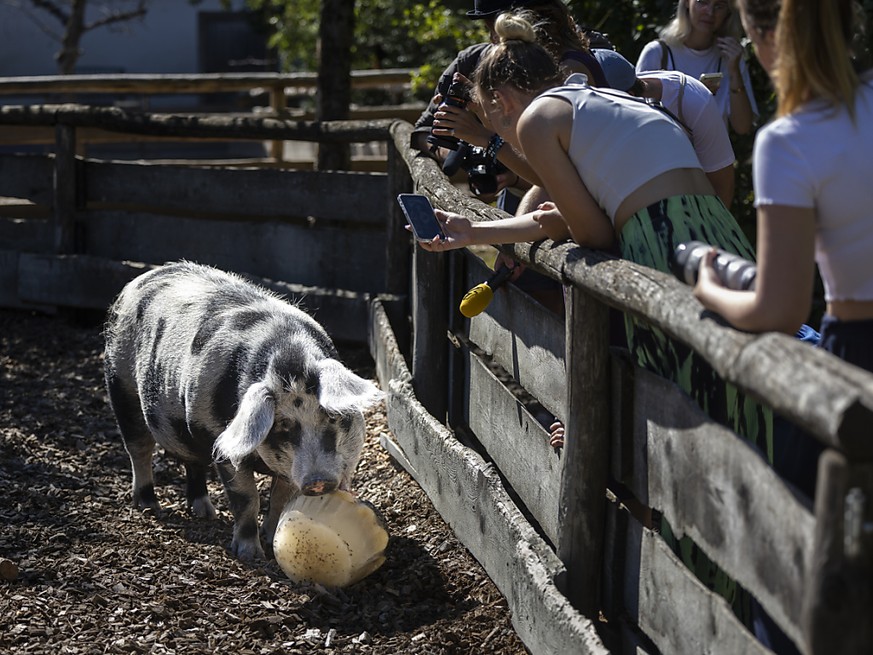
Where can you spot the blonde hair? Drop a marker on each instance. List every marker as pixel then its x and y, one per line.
pixel 516 60
pixel 813 61
pixel 679 29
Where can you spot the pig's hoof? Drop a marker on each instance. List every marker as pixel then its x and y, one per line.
pixel 203 508
pixel 149 507
pixel 247 551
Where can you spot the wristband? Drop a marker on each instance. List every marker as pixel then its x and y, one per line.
pixel 494 144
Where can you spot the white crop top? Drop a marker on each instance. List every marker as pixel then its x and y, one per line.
pixel 619 143
pixel 818 158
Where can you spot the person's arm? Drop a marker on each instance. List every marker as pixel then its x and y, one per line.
pixel 722 182
pixel 462 232
pixel 742 117
pixel 782 296
pixel 544 135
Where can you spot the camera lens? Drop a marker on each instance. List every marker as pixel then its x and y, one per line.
pixel 733 271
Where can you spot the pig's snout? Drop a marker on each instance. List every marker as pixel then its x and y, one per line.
pixel 318 486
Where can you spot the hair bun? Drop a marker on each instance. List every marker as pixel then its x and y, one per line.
pixel 512 27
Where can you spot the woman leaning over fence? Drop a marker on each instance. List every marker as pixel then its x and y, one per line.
pixel 812 172
pixel 618 170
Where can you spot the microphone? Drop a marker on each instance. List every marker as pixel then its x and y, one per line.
pixel 479 297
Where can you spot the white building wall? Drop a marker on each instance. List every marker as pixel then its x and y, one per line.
pixel 165 41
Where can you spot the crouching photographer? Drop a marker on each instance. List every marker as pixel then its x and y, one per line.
pixel 461 141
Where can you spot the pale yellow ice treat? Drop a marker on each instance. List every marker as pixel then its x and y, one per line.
pixel 334 539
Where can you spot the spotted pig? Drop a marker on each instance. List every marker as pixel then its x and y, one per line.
pixel 220 371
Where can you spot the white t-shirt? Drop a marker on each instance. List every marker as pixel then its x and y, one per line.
pixel 818 158
pixel 695 106
pixel 618 142
pixel 696 62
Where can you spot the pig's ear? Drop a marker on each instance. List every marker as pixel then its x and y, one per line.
pixel 340 390
pixel 249 427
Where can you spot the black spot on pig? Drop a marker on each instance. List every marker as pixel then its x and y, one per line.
pixel 328 440
pixel 246 320
pixel 208 328
pixel 225 397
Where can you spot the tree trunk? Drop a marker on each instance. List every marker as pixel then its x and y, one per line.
pixel 73 30
pixel 336 32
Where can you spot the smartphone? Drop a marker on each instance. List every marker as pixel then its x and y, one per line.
pixel 712 80
pixel 420 216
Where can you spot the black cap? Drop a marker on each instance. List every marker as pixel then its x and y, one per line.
pixel 487 8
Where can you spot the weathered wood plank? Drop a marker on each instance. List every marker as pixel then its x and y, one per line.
pixel 807 385
pixel 9 275
pixel 673 608
pixel 585 462
pixel 247 126
pixel 524 338
pixel 27 176
pixel 27 234
pixel 430 347
pixel 73 280
pixel 467 492
pixel 64 189
pixel 311 256
pixel 714 487
pixel 838 600
pixel 351 197
pixel 149 83
pixel 517 444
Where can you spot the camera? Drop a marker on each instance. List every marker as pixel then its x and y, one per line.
pixel 456 96
pixel 481 167
pixel 733 271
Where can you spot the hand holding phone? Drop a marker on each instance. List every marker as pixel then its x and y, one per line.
pixel 420 217
pixel 712 81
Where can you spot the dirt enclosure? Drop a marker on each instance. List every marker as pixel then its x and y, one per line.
pixel 96 576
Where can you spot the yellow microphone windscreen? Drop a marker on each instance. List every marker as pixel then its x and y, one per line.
pixel 476 300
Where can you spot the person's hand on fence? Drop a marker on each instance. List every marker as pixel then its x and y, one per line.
pixel 503 259
pixel 556 434
pixel 551 222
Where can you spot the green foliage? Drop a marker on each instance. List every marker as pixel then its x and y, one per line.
pixel 388 34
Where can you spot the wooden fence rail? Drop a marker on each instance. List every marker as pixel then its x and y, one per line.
pixel 466 412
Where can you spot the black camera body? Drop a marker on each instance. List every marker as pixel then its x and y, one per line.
pixel 481 167
pixel 456 96
pixel 733 271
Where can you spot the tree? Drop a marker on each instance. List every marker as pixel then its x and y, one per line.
pixel 73 18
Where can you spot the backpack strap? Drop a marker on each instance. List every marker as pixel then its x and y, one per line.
pixel 682 101
pixel 666 55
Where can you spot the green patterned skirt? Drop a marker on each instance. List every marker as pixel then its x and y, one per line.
pixel 650 238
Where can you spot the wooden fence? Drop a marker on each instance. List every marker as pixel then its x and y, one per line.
pixel 580 574
pixel 269 92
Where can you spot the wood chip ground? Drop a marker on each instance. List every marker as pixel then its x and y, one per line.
pixel 93 575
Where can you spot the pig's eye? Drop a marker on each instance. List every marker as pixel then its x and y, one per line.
pixel 290 429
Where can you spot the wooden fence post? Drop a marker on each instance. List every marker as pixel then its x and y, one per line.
pixel 64 189
pixel 278 103
pixel 839 593
pixel 582 505
pixel 429 329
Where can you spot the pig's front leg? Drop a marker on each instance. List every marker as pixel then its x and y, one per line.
pixel 244 501
pixel 281 492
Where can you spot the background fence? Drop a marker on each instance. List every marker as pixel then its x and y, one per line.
pixel 466 397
